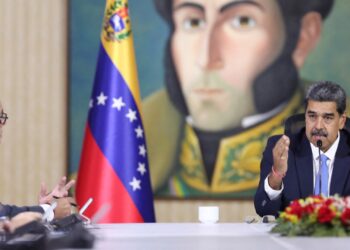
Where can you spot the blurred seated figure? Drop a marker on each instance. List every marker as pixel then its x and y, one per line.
pixel 58 194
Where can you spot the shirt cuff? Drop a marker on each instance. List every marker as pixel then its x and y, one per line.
pixel 47 209
pixel 272 193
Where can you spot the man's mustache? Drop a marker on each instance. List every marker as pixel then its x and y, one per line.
pixel 319 132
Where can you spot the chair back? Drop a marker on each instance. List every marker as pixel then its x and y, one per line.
pixel 293 124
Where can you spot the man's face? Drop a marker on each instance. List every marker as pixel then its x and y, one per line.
pixel 323 123
pixel 219 48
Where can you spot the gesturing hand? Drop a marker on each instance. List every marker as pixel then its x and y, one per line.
pixel 280 155
pixel 60 190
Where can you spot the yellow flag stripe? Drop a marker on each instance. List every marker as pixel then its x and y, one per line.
pixel 122 55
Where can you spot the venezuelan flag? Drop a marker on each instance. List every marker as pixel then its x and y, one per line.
pixel 113 167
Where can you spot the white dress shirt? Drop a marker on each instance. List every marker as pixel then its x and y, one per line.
pixel 330 153
pixel 47 209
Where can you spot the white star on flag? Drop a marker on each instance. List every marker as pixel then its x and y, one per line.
pixel 142 150
pixel 101 99
pixel 91 103
pixel 135 183
pixel 139 132
pixel 118 103
pixel 142 168
pixel 131 115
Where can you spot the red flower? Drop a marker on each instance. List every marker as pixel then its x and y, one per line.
pixel 309 209
pixel 325 214
pixel 331 214
pixel 296 209
pixel 328 202
pixel 345 216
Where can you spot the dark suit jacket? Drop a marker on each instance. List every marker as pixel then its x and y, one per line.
pixel 10 211
pixel 298 182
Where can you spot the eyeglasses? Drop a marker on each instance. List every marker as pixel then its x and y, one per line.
pixel 3 118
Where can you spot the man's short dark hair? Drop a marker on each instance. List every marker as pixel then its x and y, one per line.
pixel 327 91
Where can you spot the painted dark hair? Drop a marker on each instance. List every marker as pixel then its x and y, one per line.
pixel 295 7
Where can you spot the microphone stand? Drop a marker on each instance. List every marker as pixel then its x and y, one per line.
pixel 319 145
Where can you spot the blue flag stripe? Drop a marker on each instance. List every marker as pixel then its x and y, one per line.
pixel 119 140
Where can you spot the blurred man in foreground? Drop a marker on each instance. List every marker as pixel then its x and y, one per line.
pixel 46 199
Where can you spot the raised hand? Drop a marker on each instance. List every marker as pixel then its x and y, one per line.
pixel 60 190
pixel 280 155
pixel 280 162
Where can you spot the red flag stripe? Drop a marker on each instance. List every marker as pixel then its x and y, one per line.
pixel 98 172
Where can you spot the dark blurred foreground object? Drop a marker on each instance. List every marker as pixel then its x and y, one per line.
pixel 68 232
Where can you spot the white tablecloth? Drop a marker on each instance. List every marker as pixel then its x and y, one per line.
pixel 204 236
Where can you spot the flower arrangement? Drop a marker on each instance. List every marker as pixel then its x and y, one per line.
pixel 315 216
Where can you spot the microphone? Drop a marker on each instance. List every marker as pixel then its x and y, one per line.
pixel 319 145
pixel 82 210
pixel 85 206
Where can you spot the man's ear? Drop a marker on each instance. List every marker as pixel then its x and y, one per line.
pixel 310 32
pixel 342 121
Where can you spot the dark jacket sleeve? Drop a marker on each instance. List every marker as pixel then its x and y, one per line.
pixel 10 210
pixel 263 204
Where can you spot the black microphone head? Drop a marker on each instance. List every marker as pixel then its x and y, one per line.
pixel 319 143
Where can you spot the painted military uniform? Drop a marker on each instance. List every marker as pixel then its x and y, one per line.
pixel 175 157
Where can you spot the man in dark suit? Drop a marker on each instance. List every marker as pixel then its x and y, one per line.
pixel 314 161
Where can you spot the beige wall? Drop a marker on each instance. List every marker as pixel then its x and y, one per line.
pixel 187 210
pixel 33 90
